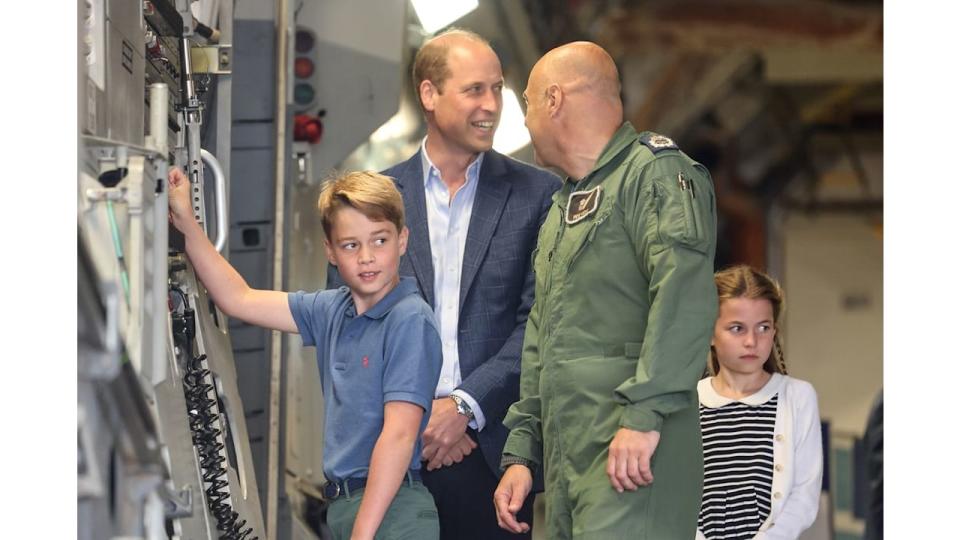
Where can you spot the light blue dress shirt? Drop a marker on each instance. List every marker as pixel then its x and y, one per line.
pixel 448 221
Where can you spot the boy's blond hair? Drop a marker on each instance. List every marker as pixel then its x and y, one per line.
pixel 372 194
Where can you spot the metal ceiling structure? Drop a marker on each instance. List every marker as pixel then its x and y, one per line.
pixel 782 100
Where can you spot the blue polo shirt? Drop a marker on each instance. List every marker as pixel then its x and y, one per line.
pixel 390 353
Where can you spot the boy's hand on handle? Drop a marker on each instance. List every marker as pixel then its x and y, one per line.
pixel 514 487
pixel 226 287
pixel 180 210
pixel 628 461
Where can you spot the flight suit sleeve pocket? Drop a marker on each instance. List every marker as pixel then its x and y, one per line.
pixel 680 212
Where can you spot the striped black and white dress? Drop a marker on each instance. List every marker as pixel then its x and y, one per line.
pixel 738 468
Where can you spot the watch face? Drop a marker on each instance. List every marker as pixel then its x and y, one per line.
pixel 462 407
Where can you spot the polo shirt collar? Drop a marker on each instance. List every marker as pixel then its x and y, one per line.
pixel 406 287
pixel 710 398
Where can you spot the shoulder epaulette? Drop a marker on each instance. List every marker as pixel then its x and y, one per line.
pixel 656 142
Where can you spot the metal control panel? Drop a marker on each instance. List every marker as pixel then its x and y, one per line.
pixel 162 443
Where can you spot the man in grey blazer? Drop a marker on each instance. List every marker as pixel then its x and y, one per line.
pixel 473 216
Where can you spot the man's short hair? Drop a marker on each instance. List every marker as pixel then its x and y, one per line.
pixel 430 63
pixel 372 194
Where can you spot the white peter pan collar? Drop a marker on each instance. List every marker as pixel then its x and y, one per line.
pixel 710 398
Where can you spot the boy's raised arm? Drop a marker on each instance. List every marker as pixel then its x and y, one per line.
pixel 388 465
pixel 268 309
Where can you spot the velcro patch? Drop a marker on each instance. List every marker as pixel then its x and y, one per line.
pixel 581 204
pixel 656 142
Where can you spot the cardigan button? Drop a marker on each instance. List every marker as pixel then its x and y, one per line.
pixel 779 438
pixel 777 495
pixel 778 467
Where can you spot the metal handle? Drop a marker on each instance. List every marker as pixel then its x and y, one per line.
pixel 220 196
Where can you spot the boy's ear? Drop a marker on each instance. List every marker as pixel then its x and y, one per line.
pixel 404 235
pixel 331 257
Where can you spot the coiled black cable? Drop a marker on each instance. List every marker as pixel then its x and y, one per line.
pixel 202 413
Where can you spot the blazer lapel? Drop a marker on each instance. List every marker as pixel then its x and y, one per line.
pixel 492 193
pixel 410 182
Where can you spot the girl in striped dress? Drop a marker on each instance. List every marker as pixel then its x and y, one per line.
pixel 763 461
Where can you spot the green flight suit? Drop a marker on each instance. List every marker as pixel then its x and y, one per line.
pixel 618 336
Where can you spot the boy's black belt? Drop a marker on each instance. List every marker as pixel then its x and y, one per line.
pixel 332 490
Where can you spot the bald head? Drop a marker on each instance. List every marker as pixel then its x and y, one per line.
pixel 581 66
pixel 573 106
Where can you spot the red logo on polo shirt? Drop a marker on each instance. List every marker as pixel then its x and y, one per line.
pixel 366 362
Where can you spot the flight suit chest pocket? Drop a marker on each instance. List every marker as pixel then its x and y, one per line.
pixel 582 235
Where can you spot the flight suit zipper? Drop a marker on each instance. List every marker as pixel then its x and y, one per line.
pixel 551 277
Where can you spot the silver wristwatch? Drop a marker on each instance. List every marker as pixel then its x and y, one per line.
pixel 462 406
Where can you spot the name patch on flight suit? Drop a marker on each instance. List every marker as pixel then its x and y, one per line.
pixel 581 204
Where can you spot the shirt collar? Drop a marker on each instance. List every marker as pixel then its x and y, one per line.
pixel 710 398
pixel 473 170
pixel 406 287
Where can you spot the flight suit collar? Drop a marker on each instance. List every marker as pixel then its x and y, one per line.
pixel 625 136
pixel 622 138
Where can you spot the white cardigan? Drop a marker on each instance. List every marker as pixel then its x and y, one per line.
pixel 797 454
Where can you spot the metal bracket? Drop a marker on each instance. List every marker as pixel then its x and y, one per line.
pixel 183 8
pixel 303 164
pixel 177 504
pixel 106 194
pixel 216 59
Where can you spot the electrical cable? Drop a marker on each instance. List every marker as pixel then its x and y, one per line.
pixel 203 416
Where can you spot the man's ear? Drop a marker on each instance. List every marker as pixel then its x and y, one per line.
pixel 428 95
pixel 331 257
pixel 554 99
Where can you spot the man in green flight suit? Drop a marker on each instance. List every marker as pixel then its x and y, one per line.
pixel 620 327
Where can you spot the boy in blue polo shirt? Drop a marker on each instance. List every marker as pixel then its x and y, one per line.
pixel 378 349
